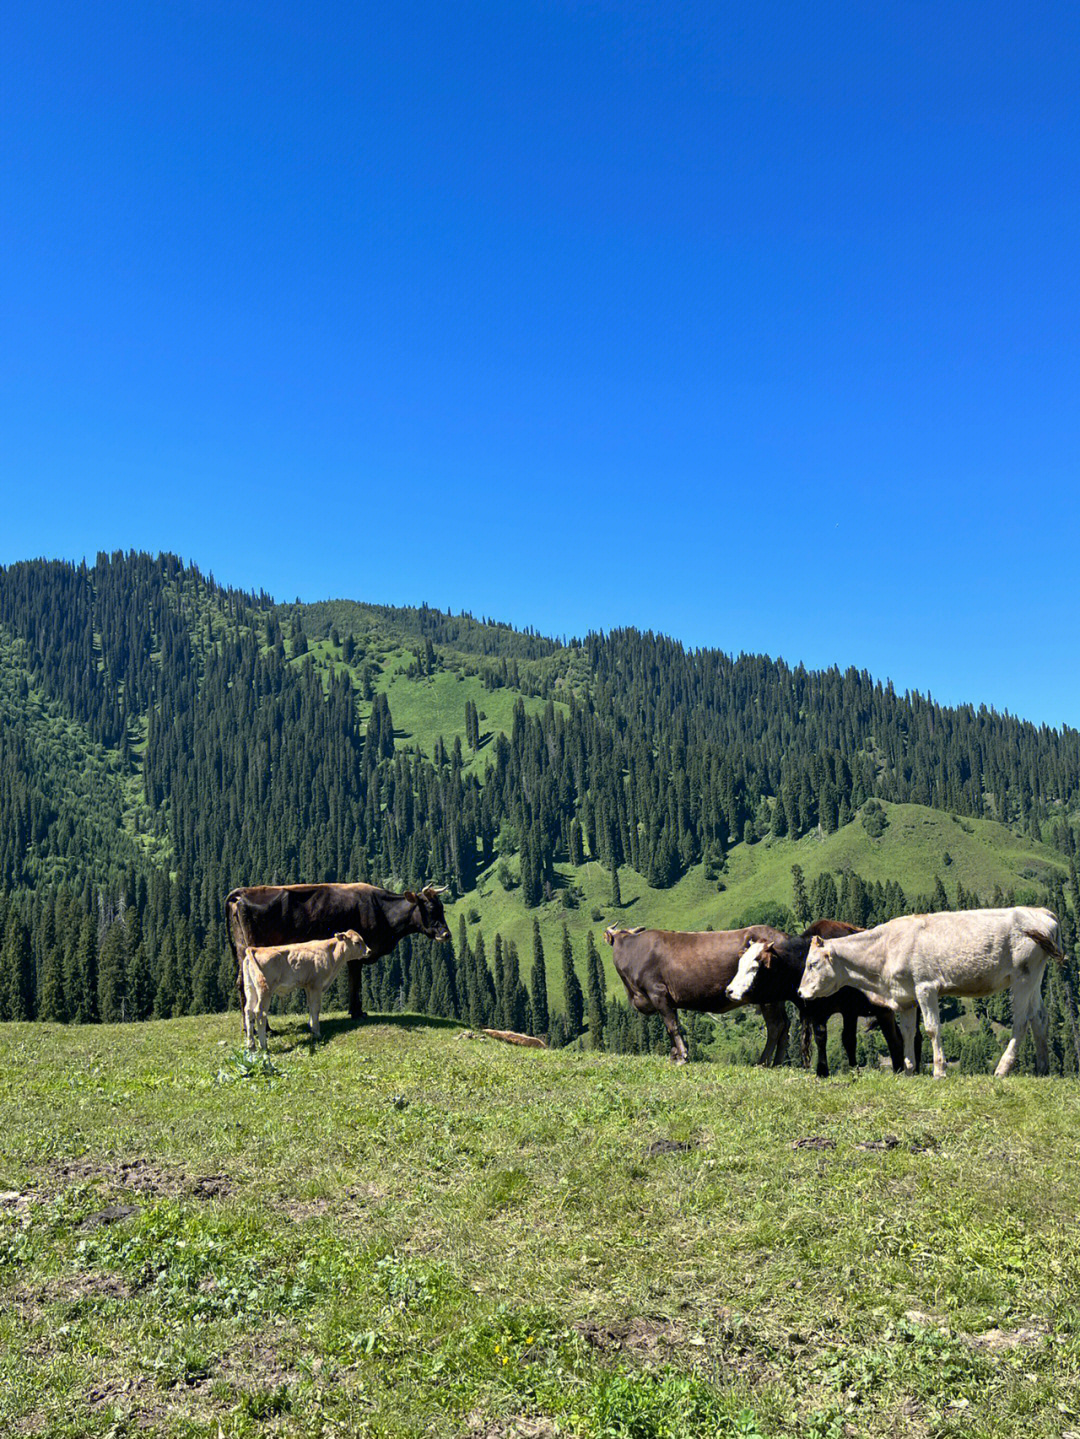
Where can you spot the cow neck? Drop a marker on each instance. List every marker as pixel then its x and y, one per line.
pixel 399 911
pixel 856 951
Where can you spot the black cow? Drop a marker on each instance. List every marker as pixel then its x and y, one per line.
pixel 287 913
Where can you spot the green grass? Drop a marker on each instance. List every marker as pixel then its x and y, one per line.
pixel 405 1232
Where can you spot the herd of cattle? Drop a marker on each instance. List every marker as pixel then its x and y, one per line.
pixel 300 935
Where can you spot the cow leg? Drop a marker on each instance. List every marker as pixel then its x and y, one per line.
pixel 927 996
pixel 777 1025
pixel 661 1002
pixel 849 1037
pixel 1025 1000
pixel 356 1003
pixel 314 1004
pixel 821 1040
pixel 891 1034
pixel 1038 1034
pixel 262 1015
pixel 907 1019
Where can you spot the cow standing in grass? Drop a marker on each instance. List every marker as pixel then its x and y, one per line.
pixel 273 968
pixel 909 963
pixel 667 970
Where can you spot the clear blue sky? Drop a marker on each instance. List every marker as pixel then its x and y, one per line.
pixel 752 323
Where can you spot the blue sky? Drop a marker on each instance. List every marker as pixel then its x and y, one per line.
pixel 754 323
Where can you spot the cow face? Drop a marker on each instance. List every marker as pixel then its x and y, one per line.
pixel 756 956
pixel 430 912
pixel 354 943
pixel 819 977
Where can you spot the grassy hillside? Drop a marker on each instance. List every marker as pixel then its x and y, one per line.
pixel 408 1232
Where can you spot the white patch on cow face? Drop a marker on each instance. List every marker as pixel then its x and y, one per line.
pixel 747 972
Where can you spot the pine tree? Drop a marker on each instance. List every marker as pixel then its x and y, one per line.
pixel 52 1004
pixel 16 971
pixel 800 900
pixel 616 892
pixel 594 981
pixel 83 983
pixel 112 975
pixel 538 985
pixel 166 994
pixel 573 999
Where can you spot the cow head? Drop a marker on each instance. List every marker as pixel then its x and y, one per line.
pixel 819 977
pixel 757 955
pixel 430 914
pixel 354 944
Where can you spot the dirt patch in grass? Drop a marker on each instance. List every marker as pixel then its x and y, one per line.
pixel 142 1177
pixel 522 1426
pixel 995 1340
pixel 356 1197
pixel 645 1337
pixel 31 1300
pixel 255 1364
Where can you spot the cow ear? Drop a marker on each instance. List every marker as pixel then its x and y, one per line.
pixel 343 937
pixel 414 897
pixel 767 956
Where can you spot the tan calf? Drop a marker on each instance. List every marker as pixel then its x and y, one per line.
pixel 270 969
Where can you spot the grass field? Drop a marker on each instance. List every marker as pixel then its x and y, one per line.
pixel 405 1231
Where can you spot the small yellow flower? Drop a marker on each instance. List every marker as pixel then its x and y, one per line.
pixel 498 1350
pixel 505 1360
pixel 531 1339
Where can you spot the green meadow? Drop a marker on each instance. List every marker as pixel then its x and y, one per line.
pixel 407 1231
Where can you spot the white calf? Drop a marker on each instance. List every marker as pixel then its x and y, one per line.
pixel 310 965
pixel 916 959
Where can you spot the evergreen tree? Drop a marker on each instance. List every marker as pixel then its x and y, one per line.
pixel 594 982
pixel 166 995
pixel 572 997
pixel 538 985
pixel 112 975
pixel 16 971
pixel 52 1004
pixel 800 899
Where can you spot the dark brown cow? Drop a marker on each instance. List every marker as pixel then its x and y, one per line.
pixel 288 913
pixel 666 970
pixel 771 972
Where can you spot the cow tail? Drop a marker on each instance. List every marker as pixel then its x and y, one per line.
pixel 1046 944
pixel 807 1030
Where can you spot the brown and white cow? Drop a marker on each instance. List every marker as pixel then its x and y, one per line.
pixel 666 970
pixel 274 968
pixel 908 963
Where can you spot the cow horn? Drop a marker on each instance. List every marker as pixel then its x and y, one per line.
pixel 436 888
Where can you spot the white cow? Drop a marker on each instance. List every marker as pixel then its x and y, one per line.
pixel 310 965
pixel 916 959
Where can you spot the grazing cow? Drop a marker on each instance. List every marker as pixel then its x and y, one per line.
pixel 771 971
pixel 909 963
pixel 288 913
pixel 272 968
pixel 666 970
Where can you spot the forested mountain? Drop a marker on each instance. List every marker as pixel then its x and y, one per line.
pixel 164 738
